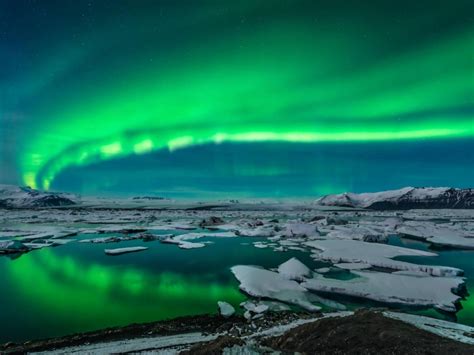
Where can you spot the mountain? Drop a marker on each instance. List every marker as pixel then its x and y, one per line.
pixel 25 197
pixel 406 198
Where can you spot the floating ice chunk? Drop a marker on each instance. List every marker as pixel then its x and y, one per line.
pixel 444 235
pixel 275 306
pixel 225 309
pixel 190 245
pixel 394 289
pixel 102 240
pixel 323 270
pixel 294 269
pixel 119 251
pixel 259 231
pixel 298 230
pixel 354 266
pixel 358 232
pixel 255 307
pixel 258 282
pixel 379 255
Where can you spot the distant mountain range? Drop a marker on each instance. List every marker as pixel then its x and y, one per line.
pixel 406 198
pixel 25 197
pixel 402 199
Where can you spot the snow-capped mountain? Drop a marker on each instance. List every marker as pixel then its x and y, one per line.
pixel 406 198
pixel 25 197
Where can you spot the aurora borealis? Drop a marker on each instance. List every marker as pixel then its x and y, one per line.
pixel 347 96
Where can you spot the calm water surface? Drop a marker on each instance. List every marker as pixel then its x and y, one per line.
pixel 76 287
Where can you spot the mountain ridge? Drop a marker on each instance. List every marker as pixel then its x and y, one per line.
pixel 404 198
pixel 12 196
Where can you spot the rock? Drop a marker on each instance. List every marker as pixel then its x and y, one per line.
pixel 335 221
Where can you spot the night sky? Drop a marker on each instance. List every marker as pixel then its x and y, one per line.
pixel 236 98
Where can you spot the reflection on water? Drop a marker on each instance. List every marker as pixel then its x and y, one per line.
pixel 76 287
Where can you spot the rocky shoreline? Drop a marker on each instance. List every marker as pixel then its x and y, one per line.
pixel 367 332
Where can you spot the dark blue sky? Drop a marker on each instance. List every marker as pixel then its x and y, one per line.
pixel 236 98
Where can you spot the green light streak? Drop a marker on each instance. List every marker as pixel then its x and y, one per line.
pixel 61 281
pixel 260 94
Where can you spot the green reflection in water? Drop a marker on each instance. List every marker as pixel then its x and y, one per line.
pixel 83 296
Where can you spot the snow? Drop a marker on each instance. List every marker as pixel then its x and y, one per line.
pixel 297 230
pixel 24 197
pixel 362 200
pixel 189 245
pixel 323 270
pixel 119 251
pixel 225 309
pixel 255 307
pixel 161 343
pixel 377 255
pixel 352 266
pixel 394 289
pixel 408 194
pixel 445 235
pixel 281 329
pixel 357 232
pixel 183 240
pixel 455 331
pixel 259 282
pixel 293 269
pixel 182 243
pixel 274 306
pixel 260 245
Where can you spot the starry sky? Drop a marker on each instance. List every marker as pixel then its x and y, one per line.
pixel 236 98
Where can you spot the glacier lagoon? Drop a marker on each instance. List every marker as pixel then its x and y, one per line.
pixel 77 287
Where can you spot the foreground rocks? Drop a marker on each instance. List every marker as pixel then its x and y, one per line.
pixel 364 332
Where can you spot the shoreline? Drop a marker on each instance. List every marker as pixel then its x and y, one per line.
pixel 282 331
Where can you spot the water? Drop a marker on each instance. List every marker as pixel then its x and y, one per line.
pixel 76 287
pixel 462 259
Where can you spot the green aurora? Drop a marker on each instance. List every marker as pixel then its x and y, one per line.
pixel 118 83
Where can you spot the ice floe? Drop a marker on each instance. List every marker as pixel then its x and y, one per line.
pixel 377 255
pixel 395 289
pixel 440 234
pixel 294 269
pixel 259 282
pixel 225 309
pixel 119 251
